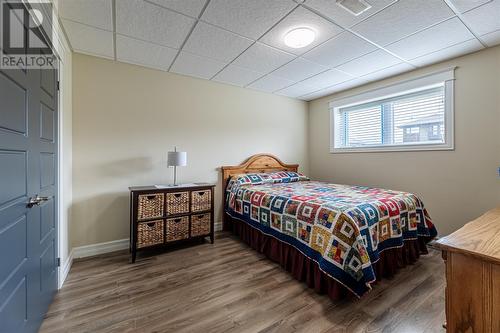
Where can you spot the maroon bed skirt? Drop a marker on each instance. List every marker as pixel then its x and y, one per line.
pixel 306 270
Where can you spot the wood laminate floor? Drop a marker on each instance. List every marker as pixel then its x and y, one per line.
pixel 228 287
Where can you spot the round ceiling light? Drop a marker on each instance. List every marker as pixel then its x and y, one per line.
pixel 299 37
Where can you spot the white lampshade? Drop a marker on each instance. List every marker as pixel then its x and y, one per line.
pixel 177 158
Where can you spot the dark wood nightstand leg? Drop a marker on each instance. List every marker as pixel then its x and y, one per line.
pixel 134 255
pixel 212 238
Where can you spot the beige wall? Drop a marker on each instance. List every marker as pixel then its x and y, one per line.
pixel 125 119
pixel 456 186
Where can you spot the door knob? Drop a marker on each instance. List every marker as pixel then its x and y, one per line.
pixel 37 200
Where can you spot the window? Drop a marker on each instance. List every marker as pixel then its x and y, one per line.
pixel 413 115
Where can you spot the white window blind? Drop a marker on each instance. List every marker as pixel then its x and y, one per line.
pixel 406 119
pixel 415 118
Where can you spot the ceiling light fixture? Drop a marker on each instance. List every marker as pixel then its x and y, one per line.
pixel 299 37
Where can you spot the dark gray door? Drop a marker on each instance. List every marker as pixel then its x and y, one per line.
pixel 28 171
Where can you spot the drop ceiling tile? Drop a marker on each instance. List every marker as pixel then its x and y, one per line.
pixel 142 53
pixel 298 89
pixel 188 7
pixel 465 5
pixel 335 89
pixel 347 85
pixel 152 23
pixel 270 83
pixel 454 51
pixel 327 79
pixel 89 40
pixel 193 65
pixel 315 95
pixel 341 16
pixel 339 50
pixel 492 39
pixel 438 37
pixel 238 76
pixel 388 72
pixel 249 18
pixel 484 19
pixel 262 58
pixel 402 19
pixel 301 17
pixel 299 69
pixel 369 63
pixel 97 13
pixel 210 41
pixel 356 82
pixel 330 90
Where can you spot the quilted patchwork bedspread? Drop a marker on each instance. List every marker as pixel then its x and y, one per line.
pixel 343 228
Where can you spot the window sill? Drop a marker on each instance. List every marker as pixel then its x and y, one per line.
pixel 388 149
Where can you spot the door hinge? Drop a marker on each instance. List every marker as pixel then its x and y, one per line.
pixel 58 262
pixel 58 86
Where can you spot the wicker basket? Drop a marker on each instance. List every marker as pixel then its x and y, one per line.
pixel 200 225
pixel 149 233
pixel 201 200
pixel 177 203
pixel 150 206
pixel 177 228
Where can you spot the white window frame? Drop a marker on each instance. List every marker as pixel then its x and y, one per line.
pixel 446 76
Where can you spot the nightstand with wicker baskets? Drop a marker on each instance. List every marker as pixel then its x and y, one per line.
pixel 161 216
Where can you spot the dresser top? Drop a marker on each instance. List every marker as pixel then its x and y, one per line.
pixel 480 237
pixel 170 187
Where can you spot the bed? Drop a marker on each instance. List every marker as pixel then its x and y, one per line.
pixel 339 239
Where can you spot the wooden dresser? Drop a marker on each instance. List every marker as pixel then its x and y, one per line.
pixel 472 258
pixel 164 216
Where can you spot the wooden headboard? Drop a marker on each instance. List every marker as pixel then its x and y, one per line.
pixel 259 163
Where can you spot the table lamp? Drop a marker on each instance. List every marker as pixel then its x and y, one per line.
pixel 176 158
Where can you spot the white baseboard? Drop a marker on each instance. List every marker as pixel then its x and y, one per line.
pixel 100 248
pixel 65 268
pixel 88 251
pixel 218 226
